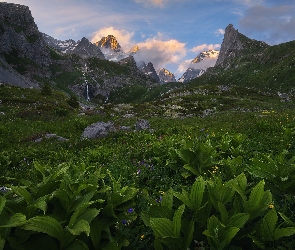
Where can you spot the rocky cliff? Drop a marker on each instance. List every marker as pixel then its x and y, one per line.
pixel 166 76
pixel 149 70
pixel 20 35
pixel 235 45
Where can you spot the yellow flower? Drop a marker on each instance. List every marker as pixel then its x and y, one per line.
pixel 271 206
pixel 161 192
pixel 142 237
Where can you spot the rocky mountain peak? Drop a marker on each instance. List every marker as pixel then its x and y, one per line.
pixel 134 49
pixel 19 33
pixel 86 49
pixel 166 76
pixel 230 46
pixel 149 70
pixel 109 42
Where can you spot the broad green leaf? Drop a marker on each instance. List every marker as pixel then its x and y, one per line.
pixel 197 192
pixel 16 220
pixel 2 203
pixel 80 202
pixel 286 219
pixel 268 223
pixel 160 212
pixel 23 193
pixel 89 214
pixel 189 234
pixel 223 213
pixel 45 224
pixel 238 220
pixel 110 246
pixel 63 197
pixel 77 245
pixel 80 227
pixel 177 220
pixel 129 194
pixel 282 232
pixel 167 200
pixel 2 242
pixel 158 245
pixel 78 212
pixel 145 218
pixel 256 196
pixel 229 234
pixel 40 168
pixel 184 197
pixel 41 203
pixel 162 227
pixel 189 167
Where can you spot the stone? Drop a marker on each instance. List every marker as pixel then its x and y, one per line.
pixel 48 136
pixel 98 130
pixel 142 125
pixel 230 45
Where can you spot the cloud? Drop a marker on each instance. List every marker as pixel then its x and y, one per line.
pixel 161 52
pixel 124 37
pixel 249 2
pixel 204 47
pixel 219 32
pixel 156 3
pixel 183 66
pixel 208 62
pixel 272 24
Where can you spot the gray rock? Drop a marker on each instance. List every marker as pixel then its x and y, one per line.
pixel 98 130
pixel 230 45
pixel 142 125
pixel 48 136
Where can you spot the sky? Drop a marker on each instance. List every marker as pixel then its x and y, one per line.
pixel 170 33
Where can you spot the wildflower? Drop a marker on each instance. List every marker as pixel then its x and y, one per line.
pixel 159 200
pixel 161 192
pixel 130 210
pixel 271 206
pixel 138 171
pixel 4 189
pixel 142 237
pixel 124 222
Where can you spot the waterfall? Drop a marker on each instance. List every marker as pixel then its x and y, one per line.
pixel 87 92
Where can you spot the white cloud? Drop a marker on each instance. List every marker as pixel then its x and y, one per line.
pixel 157 3
pixel 161 52
pixel 204 47
pixel 182 67
pixel 219 32
pixel 123 37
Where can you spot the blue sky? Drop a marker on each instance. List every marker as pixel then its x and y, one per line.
pixel 173 32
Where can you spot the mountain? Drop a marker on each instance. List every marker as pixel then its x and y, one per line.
pixel 31 59
pixel 191 74
pixel 199 65
pixel 149 70
pixel 111 48
pixel 83 48
pixel 166 76
pixel 62 46
pixel 250 63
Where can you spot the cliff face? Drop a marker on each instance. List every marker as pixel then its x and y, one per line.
pixel 20 35
pixel 231 45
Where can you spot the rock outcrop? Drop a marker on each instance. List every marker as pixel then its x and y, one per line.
pixel 166 76
pixel 231 45
pixel 19 35
pixel 149 70
pixel 86 49
pixel 190 74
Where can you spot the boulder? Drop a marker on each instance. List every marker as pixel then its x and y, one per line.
pixel 142 125
pixel 98 130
